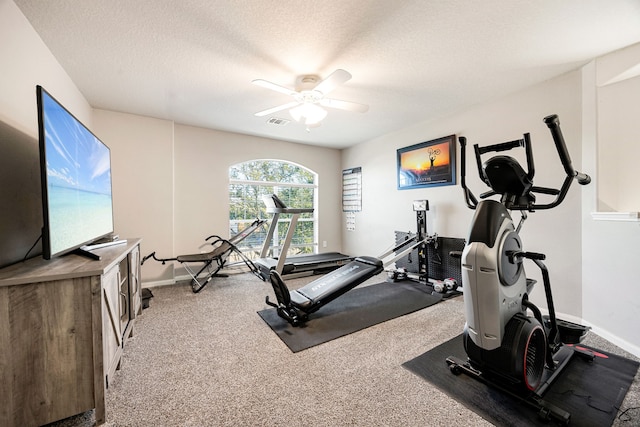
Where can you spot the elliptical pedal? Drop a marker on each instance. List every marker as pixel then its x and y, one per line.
pixel 570 333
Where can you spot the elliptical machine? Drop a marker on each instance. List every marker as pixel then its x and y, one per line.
pixel 507 347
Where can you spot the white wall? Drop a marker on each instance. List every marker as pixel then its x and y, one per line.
pixel 142 173
pixel 555 232
pixel 610 267
pixel 617 85
pixel 202 160
pixel 171 183
pixel 26 62
pixel 593 264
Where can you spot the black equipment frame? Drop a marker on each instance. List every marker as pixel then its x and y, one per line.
pixel 214 260
pixel 295 305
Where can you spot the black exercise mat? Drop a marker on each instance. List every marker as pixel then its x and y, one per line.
pixel 357 309
pixel 591 392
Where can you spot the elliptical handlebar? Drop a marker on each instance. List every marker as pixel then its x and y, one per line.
pixel 553 123
pixel 471 200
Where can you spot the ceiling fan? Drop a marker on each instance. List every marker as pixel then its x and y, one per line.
pixel 309 95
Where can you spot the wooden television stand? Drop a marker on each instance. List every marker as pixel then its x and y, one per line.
pixel 64 324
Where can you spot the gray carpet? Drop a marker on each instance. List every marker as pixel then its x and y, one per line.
pixel 208 359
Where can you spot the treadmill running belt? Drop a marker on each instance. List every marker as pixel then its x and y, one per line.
pixel 310 264
pixel 316 258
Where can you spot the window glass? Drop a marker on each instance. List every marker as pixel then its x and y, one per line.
pixel 293 184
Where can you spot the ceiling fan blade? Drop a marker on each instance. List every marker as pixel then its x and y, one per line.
pixel 268 85
pixel 334 80
pixel 276 109
pixel 344 105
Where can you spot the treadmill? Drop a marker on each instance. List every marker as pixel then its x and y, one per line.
pixel 293 266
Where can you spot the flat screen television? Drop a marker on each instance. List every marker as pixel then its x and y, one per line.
pixel 75 168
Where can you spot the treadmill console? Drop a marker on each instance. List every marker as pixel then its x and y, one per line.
pixel 420 205
pixel 273 201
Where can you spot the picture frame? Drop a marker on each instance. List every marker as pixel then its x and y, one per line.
pixel 427 164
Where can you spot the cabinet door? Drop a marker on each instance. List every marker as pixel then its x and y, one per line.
pixel 111 329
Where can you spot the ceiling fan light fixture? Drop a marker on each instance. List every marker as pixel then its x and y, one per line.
pixel 310 96
pixel 308 113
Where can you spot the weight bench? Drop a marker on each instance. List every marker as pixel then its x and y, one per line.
pixel 295 306
pixel 214 260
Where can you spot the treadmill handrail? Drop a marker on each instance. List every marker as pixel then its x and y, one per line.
pixel 289 210
pixel 275 205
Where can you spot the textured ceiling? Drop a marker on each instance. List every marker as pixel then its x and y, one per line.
pixel 192 61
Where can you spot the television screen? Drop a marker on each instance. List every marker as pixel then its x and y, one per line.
pixel 75 168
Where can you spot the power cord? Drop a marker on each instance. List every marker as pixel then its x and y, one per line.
pixel 624 417
pixel 30 249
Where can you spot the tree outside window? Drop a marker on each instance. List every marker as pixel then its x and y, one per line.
pixel 293 184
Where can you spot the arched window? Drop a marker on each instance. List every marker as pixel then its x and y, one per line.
pixel 293 184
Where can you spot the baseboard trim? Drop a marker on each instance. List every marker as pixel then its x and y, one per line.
pixel 237 269
pixel 156 283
